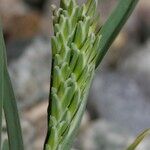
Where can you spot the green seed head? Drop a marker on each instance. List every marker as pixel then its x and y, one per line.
pixel 74 47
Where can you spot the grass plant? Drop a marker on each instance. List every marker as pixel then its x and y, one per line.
pixel 78 47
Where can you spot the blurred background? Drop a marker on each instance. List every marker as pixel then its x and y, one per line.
pixel 119 102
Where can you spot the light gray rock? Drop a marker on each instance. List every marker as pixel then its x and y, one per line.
pixel 118 98
pixel 138 66
pixel 85 123
pixel 28 132
pixel 30 73
pixel 138 63
pixel 104 135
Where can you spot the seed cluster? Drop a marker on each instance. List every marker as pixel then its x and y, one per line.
pixel 74 48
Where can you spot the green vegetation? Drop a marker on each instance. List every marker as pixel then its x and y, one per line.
pixel 78 46
pixel 8 103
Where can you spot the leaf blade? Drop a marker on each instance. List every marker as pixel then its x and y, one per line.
pixel 113 26
pixel 139 139
pixel 10 108
pixel 5 145
pixel 11 115
pixel 1 79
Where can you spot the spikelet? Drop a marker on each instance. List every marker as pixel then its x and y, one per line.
pixel 74 48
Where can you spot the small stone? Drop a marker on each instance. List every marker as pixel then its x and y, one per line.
pixel 30 73
pixel 35 113
pixel 117 97
pixel 104 135
pixel 19 22
pixel 138 63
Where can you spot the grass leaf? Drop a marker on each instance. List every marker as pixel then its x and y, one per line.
pixel 1 80
pixel 5 145
pixel 113 25
pixel 10 106
pixel 139 140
